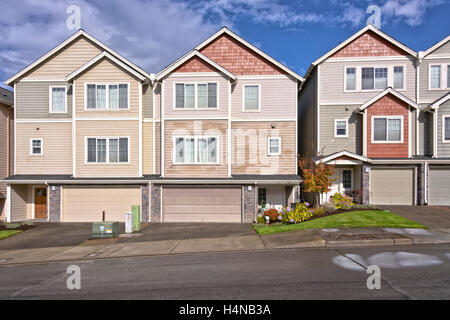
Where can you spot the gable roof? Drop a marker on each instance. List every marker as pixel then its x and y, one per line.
pixel 389 90
pixel 187 57
pixel 342 154
pixel 247 44
pixel 6 97
pixel 72 38
pixel 436 46
pixel 438 102
pixel 108 56
pixel 367 28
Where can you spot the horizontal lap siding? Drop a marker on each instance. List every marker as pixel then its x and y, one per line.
pixel 330 143
pixel 158 147
pixel 307 121
pixel 66 61
pixel 443 148
pixel 249 154
pixel 195 128
pixel 108 128
pixel 20 202
pixel 278 99
pixel 147 146
pixel 3 148
pixel 56 145
pixel 147 102
pixel 425 133
pixel 33 100
pixel 426 95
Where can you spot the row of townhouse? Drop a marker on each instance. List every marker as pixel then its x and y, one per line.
pixel 380 112
pixel 220 130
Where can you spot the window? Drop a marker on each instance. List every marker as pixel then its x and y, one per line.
pixel 347 179
pixel 446 129
pixel 196 150
pixel 58 100
pixel 350 81
pixel 398 78
pixel 107 96
pixel 367 79
pixel 107 150
pixel 36 147
pixel 251 98
pixel 340 128
pixel 435 77
pixel 200 95
pixel 387 129
pixel 262 196
pixel 274 146
pixel 381 78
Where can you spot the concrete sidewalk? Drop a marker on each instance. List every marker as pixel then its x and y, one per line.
pixel 142 245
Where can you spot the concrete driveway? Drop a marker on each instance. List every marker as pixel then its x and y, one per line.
pixel 434 217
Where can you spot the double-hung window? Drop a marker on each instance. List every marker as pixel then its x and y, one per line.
pixel 367 78
pixel 58 100
pixel 350 79
pixel 251 97
pixel 107 150
pixel 435 77
pixel 446 129
pixel 113 96
pixel 196 150
pixel 381 78
pixel 387 129
pixel 36 147
pixel 398 77
pixel 196 95
pixel 340 127
pixel 274 146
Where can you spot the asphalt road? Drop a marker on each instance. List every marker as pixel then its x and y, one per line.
pixel 407 272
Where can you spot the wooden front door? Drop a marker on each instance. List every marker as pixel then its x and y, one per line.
pixel 40 203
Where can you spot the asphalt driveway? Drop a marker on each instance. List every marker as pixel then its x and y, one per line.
pixel 433 217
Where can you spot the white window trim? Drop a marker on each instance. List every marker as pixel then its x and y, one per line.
pixel 443 128
pixel 387 118
pixel 174 151
pixel 443 84
pixel 107 151
pixel 335 128
pixel 243 97
pixel 195 108
pixel 279 146
pixel 345 79
pixel 31 147
pixel 446 76
pixel 50 99
pixel 392 78
pixel 358 74
pixel 107 84
pixel 351 181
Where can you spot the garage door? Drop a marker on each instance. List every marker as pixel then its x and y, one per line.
pixel 392 186
pixel 439 186
pixel 201 204
pixel 86 204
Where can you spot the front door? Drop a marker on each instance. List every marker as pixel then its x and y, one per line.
pixel 40 203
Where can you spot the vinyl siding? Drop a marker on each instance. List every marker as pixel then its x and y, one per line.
pixel 278 99
pixel 331 144
pixel 307 125
pixel 426 95
pixel 250 154
pixel 107 128
pixel 66 61
pixel 103 72
pixel 442 50
pixel 157 106
pixel 3 149
pixel 332 81
pixel 147 102
pixel 33 100
pixel 147 147
pixel 443 148
pixel 20 202
pixel 56 145
pixel 195 128
pixel 158 147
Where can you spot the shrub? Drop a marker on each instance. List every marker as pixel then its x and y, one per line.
pixel 301 213
pixel 272 214
pixel 342 201
pixel 319 211
pixel 260 219
pixel 365 207
pixel 329 207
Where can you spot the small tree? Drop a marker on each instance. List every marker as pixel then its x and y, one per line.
pixel 316 177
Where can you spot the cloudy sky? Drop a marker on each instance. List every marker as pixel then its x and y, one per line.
pixel 152 33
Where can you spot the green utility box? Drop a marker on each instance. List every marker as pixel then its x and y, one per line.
pixel 136 216
pixel 105 229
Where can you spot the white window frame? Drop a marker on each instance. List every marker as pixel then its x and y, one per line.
pixel 31 147
pixel 279 146
pixel 442 79
pixel 107 84
pixel 195 108
pixel 243 97
pixel 401 118
pixel 358 84
pixel 445 116
pixel 345 79
pixel 391 80
pixel 196 138
pixel 50 99
pixel 107 151
pixel 335 128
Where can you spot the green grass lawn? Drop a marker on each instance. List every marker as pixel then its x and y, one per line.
pixel 8 233
pixel 353 219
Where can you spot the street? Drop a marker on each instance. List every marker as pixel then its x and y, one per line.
pixel 407 272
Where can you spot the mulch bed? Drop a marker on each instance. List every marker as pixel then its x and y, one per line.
pixel 22 227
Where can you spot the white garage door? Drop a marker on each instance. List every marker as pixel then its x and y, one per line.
pixel 206 204
pixel 86 204
pixel 392 186
pixel 439 186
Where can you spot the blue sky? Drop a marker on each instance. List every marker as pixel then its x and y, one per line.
pixel 154 33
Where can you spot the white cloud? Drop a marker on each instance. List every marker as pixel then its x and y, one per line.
pixel 411 12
